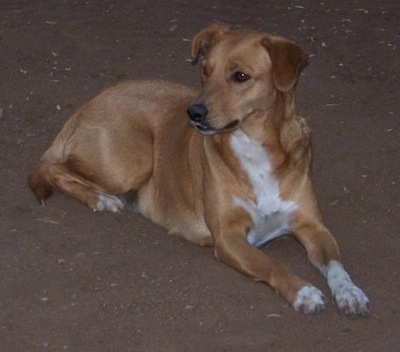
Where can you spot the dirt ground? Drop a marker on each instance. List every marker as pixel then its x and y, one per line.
pixel 74 280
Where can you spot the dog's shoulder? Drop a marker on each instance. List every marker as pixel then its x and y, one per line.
pixel 296 139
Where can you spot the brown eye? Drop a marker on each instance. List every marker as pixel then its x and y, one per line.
pixel 240 77
pixel 204 71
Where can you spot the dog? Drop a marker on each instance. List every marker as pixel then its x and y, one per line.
pixel 227 165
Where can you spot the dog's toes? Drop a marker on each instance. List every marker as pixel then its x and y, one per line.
pixel 309 300
pixel 106 202
pixel 351 301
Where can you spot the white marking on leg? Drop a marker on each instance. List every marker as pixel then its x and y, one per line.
pixel 108 202
pixel 309 300
pixel 349 299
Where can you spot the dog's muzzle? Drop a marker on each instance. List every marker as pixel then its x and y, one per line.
pixel 198 116
pixel 197 112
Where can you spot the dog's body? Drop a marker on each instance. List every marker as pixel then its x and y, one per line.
pixel 241 182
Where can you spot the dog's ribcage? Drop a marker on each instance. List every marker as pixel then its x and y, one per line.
pixel 270 213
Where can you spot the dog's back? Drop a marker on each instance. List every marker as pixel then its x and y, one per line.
pixel 125 118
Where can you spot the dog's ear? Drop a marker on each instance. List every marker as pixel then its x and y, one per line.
pixel 287 61
pixel 204 40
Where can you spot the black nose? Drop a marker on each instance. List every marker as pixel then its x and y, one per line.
pixel 197 112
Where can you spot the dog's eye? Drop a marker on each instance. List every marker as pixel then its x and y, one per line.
pixel 240 77
pixel 204 71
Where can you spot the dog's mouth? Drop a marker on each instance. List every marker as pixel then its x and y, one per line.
pixel 204 128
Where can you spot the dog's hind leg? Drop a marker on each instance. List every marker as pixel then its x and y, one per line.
pixel 61 177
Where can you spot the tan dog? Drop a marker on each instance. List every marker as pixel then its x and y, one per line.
pixel 235 176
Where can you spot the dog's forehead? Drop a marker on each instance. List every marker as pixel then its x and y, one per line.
pixel 243 47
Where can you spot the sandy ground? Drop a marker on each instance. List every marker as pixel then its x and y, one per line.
pixel 72 280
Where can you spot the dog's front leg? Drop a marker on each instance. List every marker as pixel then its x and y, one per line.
pixel 232 248
pixel 323 252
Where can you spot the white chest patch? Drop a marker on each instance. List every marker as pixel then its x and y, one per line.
pixel 270 213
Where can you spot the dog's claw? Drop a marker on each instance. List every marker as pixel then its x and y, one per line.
pixel 309 300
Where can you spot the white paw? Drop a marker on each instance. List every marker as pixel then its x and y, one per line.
pixel 106 202
pixel 309 300
pixel 351 301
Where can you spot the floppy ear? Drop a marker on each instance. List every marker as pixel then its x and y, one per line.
pixel 203 40
pixel 287 61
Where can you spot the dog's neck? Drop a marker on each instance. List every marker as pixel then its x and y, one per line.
pixel 277 129
pixel 274 129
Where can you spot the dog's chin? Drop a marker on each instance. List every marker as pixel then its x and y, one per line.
pixel 208 130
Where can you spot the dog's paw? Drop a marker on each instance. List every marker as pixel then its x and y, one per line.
pixel 309 300
pixel 351 301
pixel 107 202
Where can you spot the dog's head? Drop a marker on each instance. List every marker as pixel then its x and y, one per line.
pixel 242 71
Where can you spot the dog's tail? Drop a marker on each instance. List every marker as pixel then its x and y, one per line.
pixel 40 187
pixel 39 178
